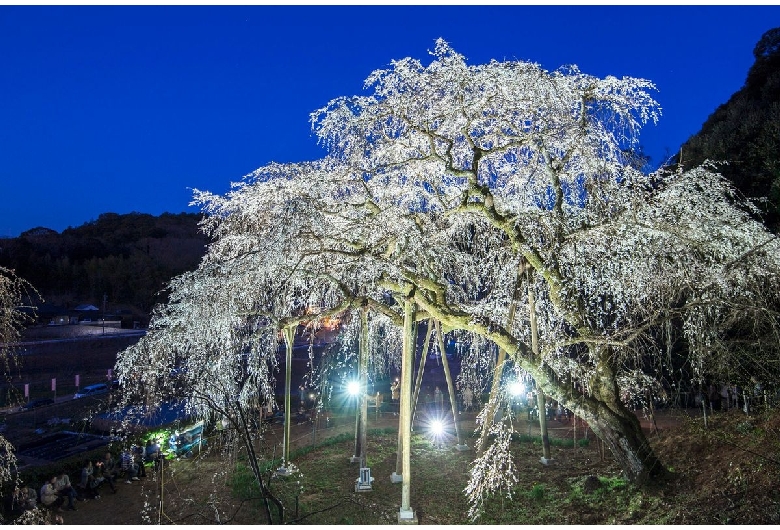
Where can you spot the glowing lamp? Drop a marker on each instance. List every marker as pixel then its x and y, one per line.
pixel 437 428
pixel 353 388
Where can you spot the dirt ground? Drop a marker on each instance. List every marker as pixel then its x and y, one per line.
pixel 170 497
pixel 178 495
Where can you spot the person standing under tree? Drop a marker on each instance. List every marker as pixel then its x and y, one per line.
pixel 438 397
pixel 468 399
pixel 395 395
pixel 302 395
pixel 725 400
pixel 713 395
pixel 139 457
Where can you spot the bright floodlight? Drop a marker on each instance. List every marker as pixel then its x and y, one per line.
pixel 353 388
pixel 517 388
pixel 437 428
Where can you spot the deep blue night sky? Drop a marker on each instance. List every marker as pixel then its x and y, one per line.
pixel 121 109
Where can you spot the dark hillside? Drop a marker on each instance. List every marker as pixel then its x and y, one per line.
pixel 128 258
pixel 745 132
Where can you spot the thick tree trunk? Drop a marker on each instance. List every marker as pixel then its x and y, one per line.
pixel 600 405
pixel 622 433
pixel 616 425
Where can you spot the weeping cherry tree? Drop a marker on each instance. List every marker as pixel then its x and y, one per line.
pixel 457 191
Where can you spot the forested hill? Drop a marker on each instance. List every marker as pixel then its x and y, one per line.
pixel 128 258
pixel 745 132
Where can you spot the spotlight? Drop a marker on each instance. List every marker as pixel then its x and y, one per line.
pixel 517 389
pixel 436 432
pixel 353 388
pixel 437 428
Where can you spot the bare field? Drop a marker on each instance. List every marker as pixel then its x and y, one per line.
pixel 62 354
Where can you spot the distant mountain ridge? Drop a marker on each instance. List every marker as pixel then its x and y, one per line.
pixel 128 258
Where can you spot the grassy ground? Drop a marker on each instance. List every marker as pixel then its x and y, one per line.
pixel 725 474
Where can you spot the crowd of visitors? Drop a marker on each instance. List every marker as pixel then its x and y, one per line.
pixel 717 397
pixel 58 493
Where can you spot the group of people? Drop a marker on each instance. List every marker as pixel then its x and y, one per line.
pixel 107 470
pixel 25 498
pixel 58 493
pixel 54 493
pixel 434 398
pixel 57 490
pixel 553 410
pixel 726 396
